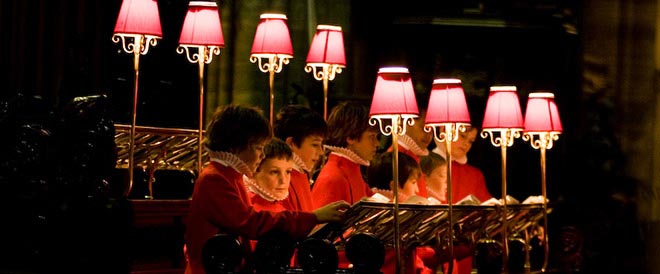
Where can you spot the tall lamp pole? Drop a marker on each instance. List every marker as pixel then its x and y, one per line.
pixel 447 115
pixel 393 107
pixel 272 44
pixel 542 128
pixel 201 38
pixel 503 122
pixel 137 28
pixel 326 58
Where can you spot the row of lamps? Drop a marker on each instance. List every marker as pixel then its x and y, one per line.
pixel 138 28
pixel 394 107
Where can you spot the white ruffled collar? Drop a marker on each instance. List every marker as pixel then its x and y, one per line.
pixel 348 154
pixel 442 151
pixel 299 164
pixel 252 186
pixel 390 194
pixel 408 143
pixel 230 160
pixel 435 194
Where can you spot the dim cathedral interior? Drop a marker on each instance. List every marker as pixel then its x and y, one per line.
pixel 68 102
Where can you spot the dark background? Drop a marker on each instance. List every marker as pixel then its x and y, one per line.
pixel 58 50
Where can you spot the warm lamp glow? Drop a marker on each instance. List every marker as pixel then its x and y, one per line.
pixel 394 94
pixel 139 17
pixel 503 109
pixel 202 26
pixel 327 47
pixel 541 114
pixel 272 37
pixel 447 103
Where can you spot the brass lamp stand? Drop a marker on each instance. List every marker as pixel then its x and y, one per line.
pixel 139 46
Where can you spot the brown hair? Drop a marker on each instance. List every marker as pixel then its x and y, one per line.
pixel 379 172
pixel 235 127
pixel 276 149
pixel 298 122
pixel 347 120
pixel 430 162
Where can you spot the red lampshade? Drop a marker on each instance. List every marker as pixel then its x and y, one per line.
pixel 394 93
pixel 447 103
pixel 139 17
pixel 541 114
pixel 503 109
pixel 327 46
pixel 202 25
pixel 272 36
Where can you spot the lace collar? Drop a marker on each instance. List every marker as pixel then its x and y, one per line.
pixel 408 143
pixel 252 186
pixel 390 194
pixel 442 151
pixel 348 154
pixel 299 164
pixel 230 160
pixel 435 194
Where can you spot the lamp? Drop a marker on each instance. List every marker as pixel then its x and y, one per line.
pixel 201 38
pixel 447 115
pixel 137 28
pixel 272 43
pixel 503 116
pixel 394 102
pixel 542 128
pixel 326 58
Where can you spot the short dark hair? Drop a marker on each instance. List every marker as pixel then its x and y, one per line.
pixel 379 172
pixel 430 162
pixel 234 127
pixel 347 120
pixel 276 149
pixel 298 122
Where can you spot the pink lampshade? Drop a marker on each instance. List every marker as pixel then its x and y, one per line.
pixel 447 103
pixel 503 109
pixel 139 17
pixel 394 93
pixel 327 46
pixel 202 25
pixel 541 114
pixel 272 36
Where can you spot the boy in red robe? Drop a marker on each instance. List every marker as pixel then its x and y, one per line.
pixel 236 137
pixel 269 189
pixel 303 130
pixel 381 179
pixel 352 143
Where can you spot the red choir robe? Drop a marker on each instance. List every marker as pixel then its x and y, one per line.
pixel 416 261
pixel 220 203
pixel 424 253
pixel 467 179
pixel 261 204
pixel 300 193
pixel 340 179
